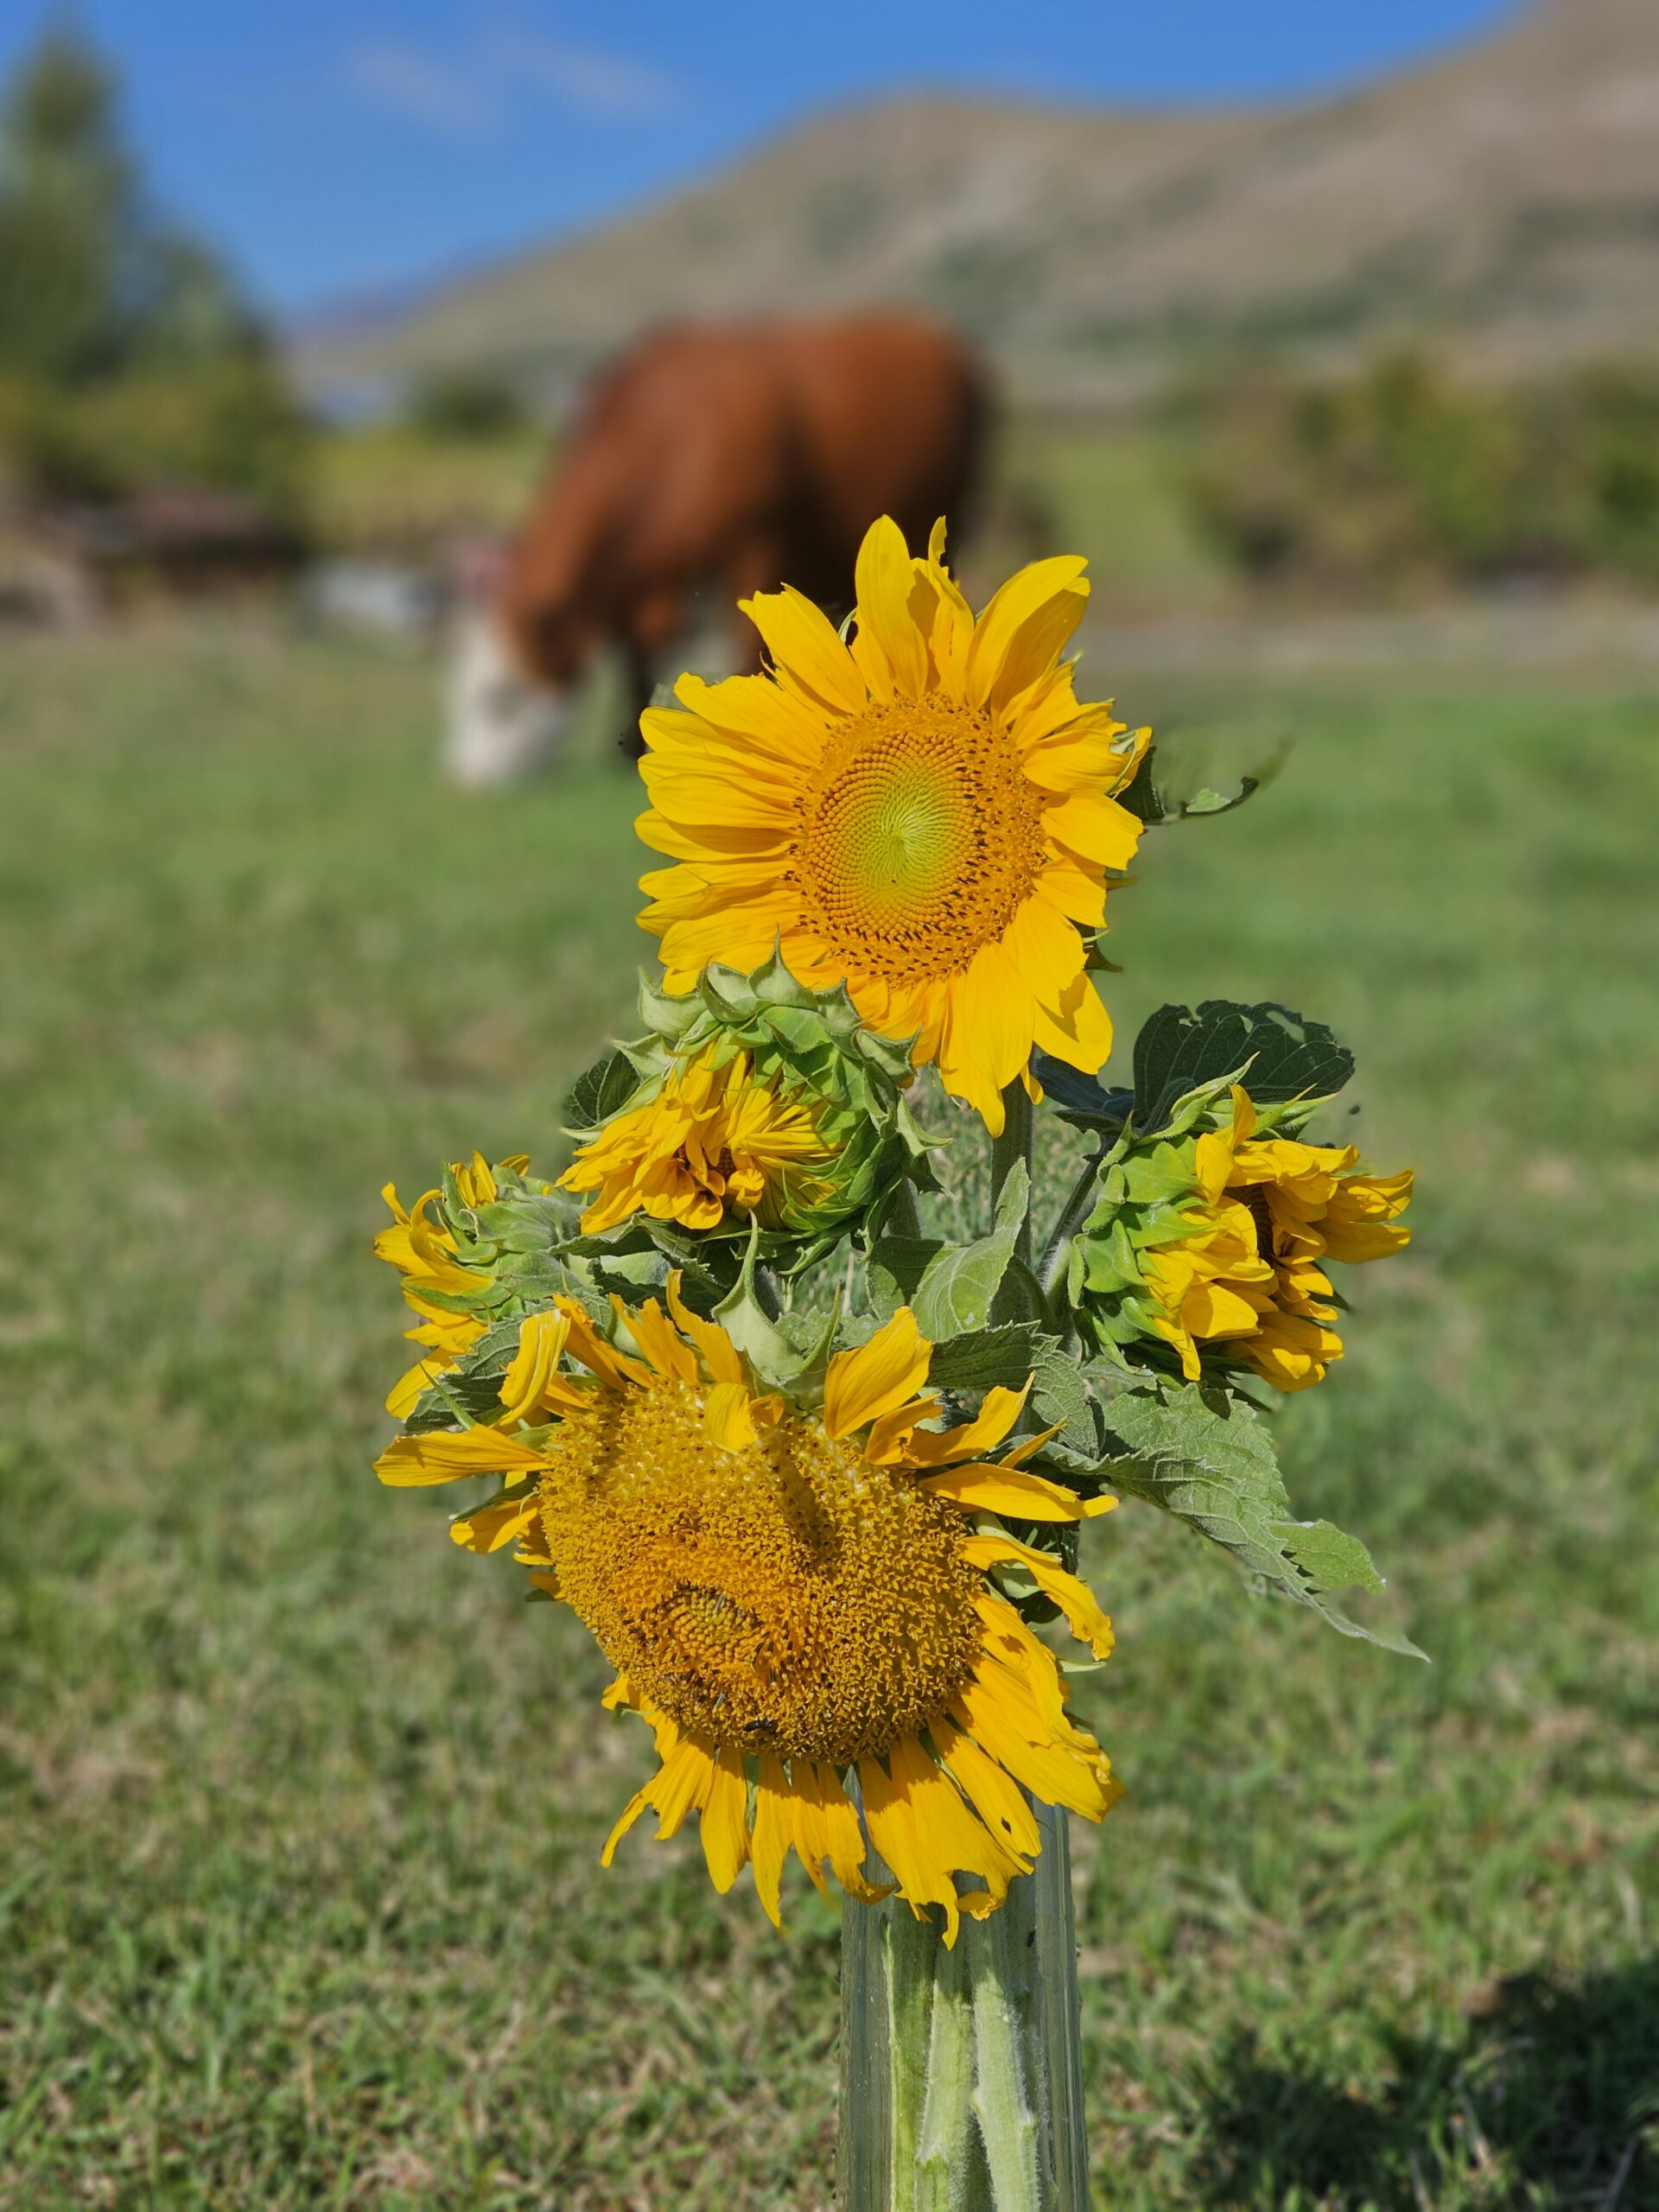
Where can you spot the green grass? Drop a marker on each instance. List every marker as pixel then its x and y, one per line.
pixel 300 1805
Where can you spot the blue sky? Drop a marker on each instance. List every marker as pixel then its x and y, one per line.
pixel 337 148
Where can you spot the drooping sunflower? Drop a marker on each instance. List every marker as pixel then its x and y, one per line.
pixel 1221 1240
pixel 712 1138
pixel 925 814
pixel 424 1252
pixel 1309 1203
pixel 793 1599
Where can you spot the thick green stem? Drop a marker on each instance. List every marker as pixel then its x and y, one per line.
pixel 961 2083
pixel 1019 1135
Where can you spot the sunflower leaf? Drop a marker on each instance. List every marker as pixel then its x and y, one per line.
pixel 1281 1055
pixel 959 1283
pixel 1209 1460
pixel 1154 795
pixel 453 1399
pixel 897 1265
pixel 1081 1099
pixel 599 1090
pixel 983 1359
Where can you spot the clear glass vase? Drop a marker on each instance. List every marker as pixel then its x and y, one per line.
pixel 961 2071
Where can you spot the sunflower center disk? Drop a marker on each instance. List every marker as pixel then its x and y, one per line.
pixel 918 840
pixel 786 1598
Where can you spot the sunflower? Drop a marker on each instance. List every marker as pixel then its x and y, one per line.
pixel 794 1600
pixel 423 1251
pixel 1309 1203
pixel 711 1139
pixel 1224 1240
pixel 925 814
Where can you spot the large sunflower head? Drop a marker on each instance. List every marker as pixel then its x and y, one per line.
pixel 1217 1242
pixel 796 1599
pixel 754 1099
pixel 923 813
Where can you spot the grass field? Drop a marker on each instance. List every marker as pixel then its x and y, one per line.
pixel 299 1807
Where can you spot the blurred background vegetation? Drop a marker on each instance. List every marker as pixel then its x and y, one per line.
pixel 130 359
pixel 128 355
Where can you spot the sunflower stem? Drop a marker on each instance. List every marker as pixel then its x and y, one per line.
pixel 1016 1143
pixel 1079 1202
pixel 962 2084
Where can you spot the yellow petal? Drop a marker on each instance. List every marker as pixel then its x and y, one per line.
pixel 1098 828
pixel 524 1387
pixel 953 622
pixel 805 649
pixel 1080 758
pixel 496 1526
pixel 754 707
pixel 925 1832
pixel 667 1352
pixel 1037 645
pixel 728 1417
pixel 1045 948
pixel 725 1821
pixel 1076 1027
pixel 827 1828
pixel 773 1833
pixel 679 1786
pixel 883 577
pixel 1008 1728
pixel 444 1455
pixel 989 1789
pixel 407 1392
pixel 1072 1595
pixel 1021 597
pixel 984 1433
pixel 878 1377
pixel 719 1355
pixel 1013 1491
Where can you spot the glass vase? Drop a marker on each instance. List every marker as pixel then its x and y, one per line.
pixel 961 2075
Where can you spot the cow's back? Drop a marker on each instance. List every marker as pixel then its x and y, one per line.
pixel 738 457
pixel 888 415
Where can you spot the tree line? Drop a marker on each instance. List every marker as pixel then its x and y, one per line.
pixel 129 354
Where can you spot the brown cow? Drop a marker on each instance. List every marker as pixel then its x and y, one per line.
pixel 728 458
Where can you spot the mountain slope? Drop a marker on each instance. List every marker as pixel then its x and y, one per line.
pixel 1505 201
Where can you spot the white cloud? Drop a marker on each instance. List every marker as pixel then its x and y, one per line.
pixel 579 76
pixel 419 87
pixel 480 88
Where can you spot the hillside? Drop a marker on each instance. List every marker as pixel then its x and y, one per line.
pixel 1504 201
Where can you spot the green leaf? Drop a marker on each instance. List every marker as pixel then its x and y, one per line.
pixel 955 1291
pixel 1209 1460
pixel 1277 1053
pixel 454 1398
pixel 1329 1559
pixel 1083 1100
pixel 749 1318
pixel 1156 794
pixel 600 1092
pixel 897 1265
pixel 982 1359
pixel 1062 1395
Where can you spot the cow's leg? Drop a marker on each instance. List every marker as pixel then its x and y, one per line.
pixel 759 563
pixel 641 675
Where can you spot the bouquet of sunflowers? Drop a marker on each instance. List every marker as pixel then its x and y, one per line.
pixel 800 1396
